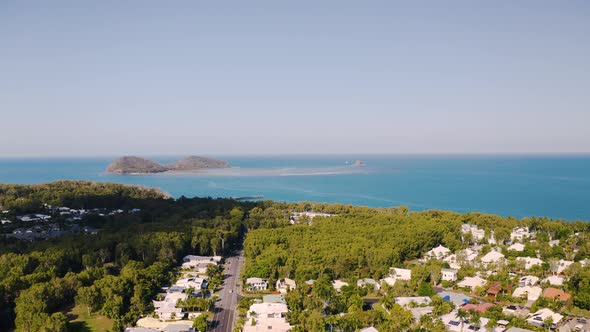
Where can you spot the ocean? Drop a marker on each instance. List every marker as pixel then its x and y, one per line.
pixel 555 186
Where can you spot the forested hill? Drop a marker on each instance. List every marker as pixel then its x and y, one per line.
pixel 137 165
pixel 75 194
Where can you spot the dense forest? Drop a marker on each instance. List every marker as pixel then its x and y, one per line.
pixel 117 271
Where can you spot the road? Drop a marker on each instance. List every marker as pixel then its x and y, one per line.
pixel 225 308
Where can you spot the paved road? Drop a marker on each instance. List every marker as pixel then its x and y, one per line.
pixel 225 308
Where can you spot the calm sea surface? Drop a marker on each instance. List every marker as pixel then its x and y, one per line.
pixel 553 186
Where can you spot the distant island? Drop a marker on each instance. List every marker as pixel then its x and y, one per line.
pixel 137 165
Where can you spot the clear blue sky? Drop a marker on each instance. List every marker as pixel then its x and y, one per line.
pixel 226 77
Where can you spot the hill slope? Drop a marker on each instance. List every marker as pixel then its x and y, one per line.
pixel 196 162
pixel 130 164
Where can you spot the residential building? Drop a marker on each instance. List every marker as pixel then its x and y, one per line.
pixel 531 293
pixel 256 284
pixel 456 298
pixel 494 289
pixel 438 253
pixel 472 283
pixel 492 257
pixel 554 280
pixel 556 294
pixel 396 274
pixel 528 281
pixel 476 233
pixel 520 233
pixel 562 265
pixel 449 275
pixel 368 282
pixel 529 262
pixel 285 285
pixel 540 317
pixel 516 247
pixel 406 300
pixel 267 317
pixel 369 329
pixel 338 284
pixel 481 308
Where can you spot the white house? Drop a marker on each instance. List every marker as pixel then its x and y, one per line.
pixel 492 257
pixel 520 233
pixel 267 317
pixel 562 265
pixel 516 247
pixel 532 293
pixel 449 275
pixel 192 261
pixel 5 221
pixel 554 280
pixel 369 329
pixel 407 300
pixel 438 253
pixel 472 282
pixel 169 312
pixel 538 318
pixel 476 233
pixel 256 284
pixel 529 262
pixel 338 284
pixel 553 243
pixel 285 285
pixel 528 281
pixel 396 274
pixel 368 281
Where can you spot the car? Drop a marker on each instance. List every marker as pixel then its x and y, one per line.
pixel 231 290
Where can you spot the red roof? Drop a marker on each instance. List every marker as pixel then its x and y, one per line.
pixel 556 294
pixel 482 307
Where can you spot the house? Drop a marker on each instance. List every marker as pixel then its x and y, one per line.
pixel 449 275
pixel 368 282
pixel 406 300
pixel 438 253
pixel 492 257
pixel 494 289
pixel 285 285
pixel 140 329
pixel 274 298
pixel 396 274
pixel 462 257
pixel 177 327
pixel 401 274
pixel 267 317
pixel 193 282
pixel 458 299
pixel 515 310
pixel 420 311
pixel 554 280
pixel 256 284
pixel 516 247
pixel 472 283
pixel 518 329
pixel 481 308
pixel 453 323
pixel 192 261
pixel 169 311
pixel 529 262
pixel 553 243
pixel 562 265
pixel 531 293
pixel 542 315
pixel 476 233
pixel 295 216
pixel 369 329
pixel 528 281
pixel 338 284
pixel 519 234
pixel 5 221
pixel 556 294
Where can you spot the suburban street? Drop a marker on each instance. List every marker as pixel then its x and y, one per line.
pixel 225 308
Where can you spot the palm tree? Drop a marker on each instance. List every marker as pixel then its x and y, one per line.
pixel 462 315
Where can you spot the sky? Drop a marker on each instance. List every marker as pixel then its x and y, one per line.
pixel 91 78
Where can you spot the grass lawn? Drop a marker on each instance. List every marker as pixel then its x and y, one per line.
pixel 80 321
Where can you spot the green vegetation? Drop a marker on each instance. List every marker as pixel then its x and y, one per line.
pixel 136 165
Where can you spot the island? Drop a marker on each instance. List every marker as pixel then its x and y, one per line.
pixel 137 165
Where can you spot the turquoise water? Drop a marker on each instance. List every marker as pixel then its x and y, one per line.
pixel 553 186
